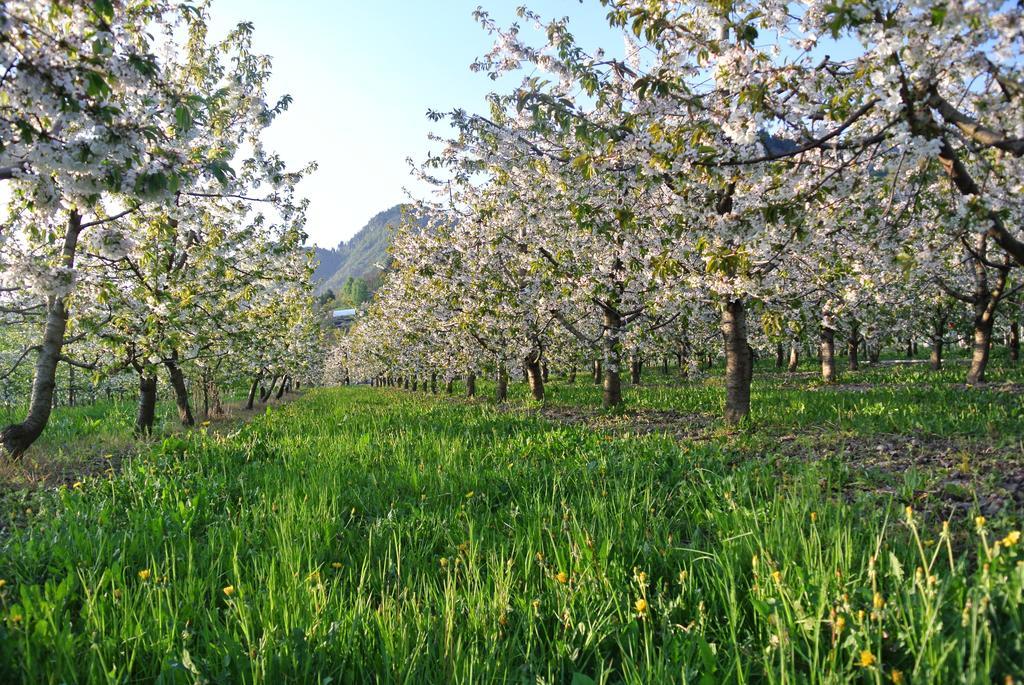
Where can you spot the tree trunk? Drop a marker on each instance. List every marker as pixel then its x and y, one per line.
pixel 147 403
pixel 1014 341
pixel 433 383
pixel 449 387
pixel 252 391
pixel 571 378
pixel 597 371
pixel 471 385
pixel 534 376
pixel 544 371
pixel 875 352
pixel 853 346
pixel 794 356
pixel 910 348
pixel 177 379
pixel 612 388
pixel 266 392
pixel 936 355
pixel 664 366
pixel 780 356
pixel 828 354
pixel 738 367
pixel 636 367
pixel 280 390
pixel 501 385
pixel 982 343
pixel 18 437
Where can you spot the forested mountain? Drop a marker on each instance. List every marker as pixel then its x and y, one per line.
pixel 361 256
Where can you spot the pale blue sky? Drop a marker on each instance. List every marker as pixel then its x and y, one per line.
pixel 363 74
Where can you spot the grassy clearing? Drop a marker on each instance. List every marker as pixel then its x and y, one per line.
pixel 370 535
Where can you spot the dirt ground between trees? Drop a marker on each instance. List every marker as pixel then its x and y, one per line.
pixel 946 475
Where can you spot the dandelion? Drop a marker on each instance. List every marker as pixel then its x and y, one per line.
pixel 867 659
pixel 878 602
pixel 777 576
pixel 1011 539
pixel 896 676
pixel 910 514
pixel 336 565
pixel 144 574
pixel 838 625
pixel 229 590
pixel 562 577
pixel 2 583
pixel 641 606
pixel 536 604
pixel 979 521
pixel 444 562
pixel 470 494
pixel 814 516
pixel 77 485
pixel 204 424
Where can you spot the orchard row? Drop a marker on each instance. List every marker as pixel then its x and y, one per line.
pixel 149 233
pixel 748 176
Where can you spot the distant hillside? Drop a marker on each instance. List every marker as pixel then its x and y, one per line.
pixel 359 257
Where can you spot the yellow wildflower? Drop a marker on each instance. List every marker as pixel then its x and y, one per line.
pixel 144 574
pixel 777 576
pixel 814 516
pixel 444 562
pixel 878 602
pixel 979 521
pixel 562 577
pixel 839 624
pixel 335 564
pixel 867 659
pixel 2 583
pixel 1011 539
pixel 229 590
pixel 16 618
pixel 469 494
pixel 896 676
pixel 641 606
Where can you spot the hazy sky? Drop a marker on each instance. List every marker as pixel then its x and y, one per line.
pixel 363 73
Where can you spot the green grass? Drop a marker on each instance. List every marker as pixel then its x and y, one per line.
pixel 381 536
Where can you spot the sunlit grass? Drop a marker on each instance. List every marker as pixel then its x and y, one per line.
pixel 370 535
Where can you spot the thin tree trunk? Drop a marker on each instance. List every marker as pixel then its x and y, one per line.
pixel 252 391
pixel 828 354
pixel 433 383
pixel 936 355
pixel 146 413
pixel 853 346
pixel 635 370
pixel 535 376
pixel 612 387
pixel 981 344
pixel 738 367
pixel 449 387
pixel 177 379
pixel 571 378
pixel 910 348
pixel 794 356
pixel 597 374
pixel 280 390
pixel 780 355
pixel 1014 341
pixel 18 437
pixel 471 385
pixel 501 385
pixel 266 392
